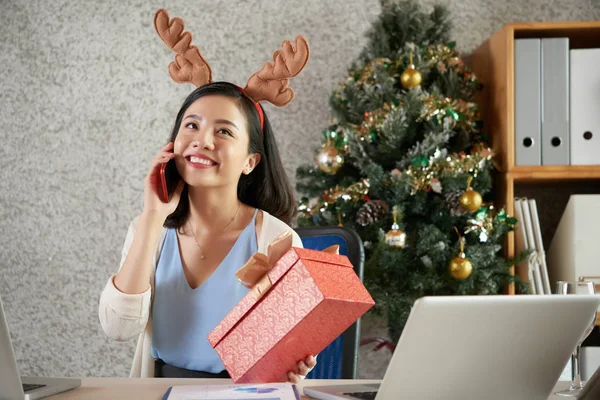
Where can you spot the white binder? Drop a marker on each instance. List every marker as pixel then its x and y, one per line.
pixel 539 246
pixel 534 262
pixel 585 106
pixel 555 101
pixel 521 244
pixel 528 106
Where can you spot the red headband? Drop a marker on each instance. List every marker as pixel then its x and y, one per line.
pixel 261 116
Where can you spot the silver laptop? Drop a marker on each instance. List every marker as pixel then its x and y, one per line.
pixel 15 387
pixel 479 347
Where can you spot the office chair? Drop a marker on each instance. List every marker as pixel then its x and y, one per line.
pixel 339 359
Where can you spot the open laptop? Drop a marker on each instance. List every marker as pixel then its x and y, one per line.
pixel 12 386
pixel 479 347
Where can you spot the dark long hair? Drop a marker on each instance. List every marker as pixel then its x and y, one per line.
pixel 267 187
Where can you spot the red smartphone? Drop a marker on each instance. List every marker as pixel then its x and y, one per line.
pixel 167 180
pixel 162 184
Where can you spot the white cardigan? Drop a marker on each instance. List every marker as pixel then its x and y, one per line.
pixel 124 316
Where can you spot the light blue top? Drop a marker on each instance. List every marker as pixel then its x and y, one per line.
pixel 183 317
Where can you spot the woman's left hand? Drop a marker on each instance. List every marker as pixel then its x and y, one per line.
pixel 302 369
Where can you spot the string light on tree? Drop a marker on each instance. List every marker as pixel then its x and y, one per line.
pixel 460 266
pixel 395 237
pixel 470 200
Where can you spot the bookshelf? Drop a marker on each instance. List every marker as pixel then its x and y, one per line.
pixel 493 64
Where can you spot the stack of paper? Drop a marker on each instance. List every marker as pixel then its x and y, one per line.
pixel 280 391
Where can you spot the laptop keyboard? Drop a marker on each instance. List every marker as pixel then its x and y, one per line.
pixel 28 387
pixel 362 395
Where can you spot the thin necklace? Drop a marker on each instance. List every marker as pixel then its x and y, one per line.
pixel 215 238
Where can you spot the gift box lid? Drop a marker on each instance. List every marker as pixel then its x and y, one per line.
pixel 282 266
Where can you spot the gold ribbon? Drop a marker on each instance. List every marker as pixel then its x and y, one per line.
pixel 255 273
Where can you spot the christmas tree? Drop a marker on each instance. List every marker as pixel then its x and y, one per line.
pixel 406 164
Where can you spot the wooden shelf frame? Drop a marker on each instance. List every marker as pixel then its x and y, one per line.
pixel 493 64
pixel 555 173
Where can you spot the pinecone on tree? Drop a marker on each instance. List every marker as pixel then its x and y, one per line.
pixel 452 201
pixel 372 211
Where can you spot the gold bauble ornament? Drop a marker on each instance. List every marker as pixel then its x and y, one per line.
pixel 395 237
pixel 460 266
pixel 410 78
pixel 470 200
pixel 329 159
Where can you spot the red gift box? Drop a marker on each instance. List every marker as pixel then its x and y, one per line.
pixel 301 301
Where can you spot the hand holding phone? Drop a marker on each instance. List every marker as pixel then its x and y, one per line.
pixel 167 179
pixel 163 185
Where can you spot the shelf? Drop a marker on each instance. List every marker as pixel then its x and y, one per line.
pixel 493 64
pixel 581 34
pixel 554 172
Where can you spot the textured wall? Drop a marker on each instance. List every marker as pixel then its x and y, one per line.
pixel 85 103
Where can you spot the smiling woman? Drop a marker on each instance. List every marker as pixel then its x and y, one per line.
pixel 219 123
pixel 229 197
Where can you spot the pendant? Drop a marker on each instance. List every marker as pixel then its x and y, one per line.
pixel 202 257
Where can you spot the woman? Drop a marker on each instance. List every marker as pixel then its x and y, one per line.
pixel 176 278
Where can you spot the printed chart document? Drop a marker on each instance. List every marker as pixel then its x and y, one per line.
pixel 274 391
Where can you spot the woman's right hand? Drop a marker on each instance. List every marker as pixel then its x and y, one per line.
pixel 152 201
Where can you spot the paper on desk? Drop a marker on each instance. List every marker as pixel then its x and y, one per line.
pixel 275 391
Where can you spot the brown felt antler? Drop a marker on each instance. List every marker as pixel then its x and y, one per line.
pixel 189 65
pixel 271 82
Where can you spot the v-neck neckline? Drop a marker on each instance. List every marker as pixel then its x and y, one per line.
pixel 252 224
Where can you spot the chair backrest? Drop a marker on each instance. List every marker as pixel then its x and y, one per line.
pixel 339 359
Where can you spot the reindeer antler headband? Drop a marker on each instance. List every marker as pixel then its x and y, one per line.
pixel 269 84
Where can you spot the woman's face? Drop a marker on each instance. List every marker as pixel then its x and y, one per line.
pixel 211 146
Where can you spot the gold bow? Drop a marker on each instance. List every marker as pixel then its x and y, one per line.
pixel 254 274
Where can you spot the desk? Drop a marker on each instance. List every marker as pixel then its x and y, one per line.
pixel 154 388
